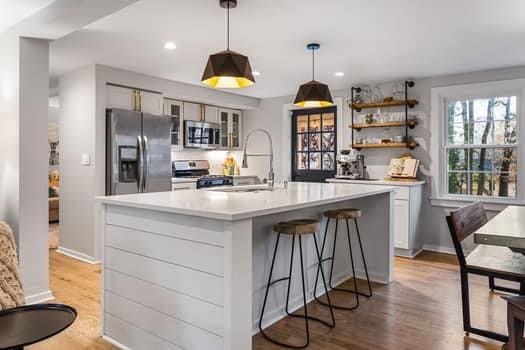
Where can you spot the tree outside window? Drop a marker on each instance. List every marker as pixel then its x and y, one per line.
pixel 481 147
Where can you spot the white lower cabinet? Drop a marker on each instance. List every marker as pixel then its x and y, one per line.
pixel 408 235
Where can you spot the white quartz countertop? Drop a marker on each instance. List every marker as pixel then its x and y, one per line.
pixel 377 182
pixel 230 206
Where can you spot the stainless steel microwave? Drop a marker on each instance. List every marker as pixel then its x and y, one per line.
pixel 201 134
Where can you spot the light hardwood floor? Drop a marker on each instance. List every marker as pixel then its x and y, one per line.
pixel 420 310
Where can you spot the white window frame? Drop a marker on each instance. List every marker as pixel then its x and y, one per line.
pixel 439 128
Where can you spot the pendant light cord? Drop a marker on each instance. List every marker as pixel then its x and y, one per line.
pixel 313 64
pixel 228 26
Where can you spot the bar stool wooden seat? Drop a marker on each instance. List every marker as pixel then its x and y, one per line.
pixel 345 214
pixel 296 228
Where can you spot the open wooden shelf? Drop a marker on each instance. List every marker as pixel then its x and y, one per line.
pixel 394 103
pixel 411 124
pixel 411 145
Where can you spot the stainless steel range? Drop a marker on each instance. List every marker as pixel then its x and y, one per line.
pixel 199 169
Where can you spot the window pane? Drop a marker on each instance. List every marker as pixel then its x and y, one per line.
pixel 315 160
pixel 457 159
pixel 505 132
pixel 505 160
pixel 315 142
pixel 457 112
pixel 328 122
pixel 328 141
pixel 480 184
pixel 458 134
pixel 457 183
pixel 482 108
pixel 302 161
pixel 505 108
pixel 504 185
pixel 481 159
pixel 328 161
pixel 302 123
pixel 302 142
pixel 315 123
pixel 481 133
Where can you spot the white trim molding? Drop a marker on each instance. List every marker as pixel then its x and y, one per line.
pixel 77 255
pixel 439 95
pixel 39 297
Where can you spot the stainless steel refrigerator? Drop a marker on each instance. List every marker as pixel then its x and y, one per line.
pixel 138 152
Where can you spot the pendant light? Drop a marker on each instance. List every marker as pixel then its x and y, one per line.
pixel 228 69
pixel 313 93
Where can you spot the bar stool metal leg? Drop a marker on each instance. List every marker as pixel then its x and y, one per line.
pixel 331 259
pixel 369 294
pixel 306 317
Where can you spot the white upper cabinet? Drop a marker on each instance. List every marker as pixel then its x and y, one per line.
pixel 211 114
pixel 133 99
pixel 150 102
pixel 120 97
pixel 230 121
pixel 174 109
pixel 192 111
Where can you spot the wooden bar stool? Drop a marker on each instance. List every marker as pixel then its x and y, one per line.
pixel 295 228
pixel 343 214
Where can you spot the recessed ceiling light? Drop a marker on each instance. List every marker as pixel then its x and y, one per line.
pixel 339 74
pixel 170 45
pixel 256 73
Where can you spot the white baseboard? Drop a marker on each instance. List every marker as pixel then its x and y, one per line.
pixel 77 255
pixel 439 249
pixel 39 297
pixel 405 253
pixel 115 343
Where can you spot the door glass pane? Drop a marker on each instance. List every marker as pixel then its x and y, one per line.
pixel 328 122
pixel 302 123
pixel 175 110
pixel 175 130
pixel 235 130
pixel 315 142
pixel 315 161
pixel 302 161
pixel 302 143
pixel 328 161
pixel 328 141
pixel 315 123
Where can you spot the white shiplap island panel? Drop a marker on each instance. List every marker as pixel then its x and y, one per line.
pixel 187 269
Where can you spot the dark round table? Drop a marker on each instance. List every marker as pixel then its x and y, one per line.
pixel 26 325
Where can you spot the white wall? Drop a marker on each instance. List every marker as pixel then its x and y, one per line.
pixel 436 236
pixel 24 90
pixel 82 130
pixel 77 136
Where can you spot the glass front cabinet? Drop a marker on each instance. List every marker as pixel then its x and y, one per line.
pixel 174 109
pixel 230 122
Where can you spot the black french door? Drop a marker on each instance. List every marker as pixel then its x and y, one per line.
pixel 314 144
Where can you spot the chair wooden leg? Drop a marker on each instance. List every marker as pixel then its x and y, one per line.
pixel 515 327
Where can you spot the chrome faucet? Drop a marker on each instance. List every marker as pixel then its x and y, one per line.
pixel 245 155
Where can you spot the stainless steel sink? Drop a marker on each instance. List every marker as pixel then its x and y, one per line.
pixel 241 189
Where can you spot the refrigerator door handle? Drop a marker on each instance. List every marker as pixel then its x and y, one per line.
pixel 140 159
pixel 146 166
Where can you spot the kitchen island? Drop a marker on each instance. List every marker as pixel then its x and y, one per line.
pixel 187 269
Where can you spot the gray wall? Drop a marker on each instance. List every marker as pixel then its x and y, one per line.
pixel 23 155
pixel 436 236
pixel 82 130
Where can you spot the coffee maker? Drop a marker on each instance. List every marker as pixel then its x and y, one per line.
pixel 351 165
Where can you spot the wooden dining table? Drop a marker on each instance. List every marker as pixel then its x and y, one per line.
pixel 506 229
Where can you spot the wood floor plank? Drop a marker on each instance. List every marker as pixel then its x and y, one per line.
pixel 420 310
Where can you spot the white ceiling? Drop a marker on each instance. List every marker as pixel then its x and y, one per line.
pixel 13 11
pixel 376 40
